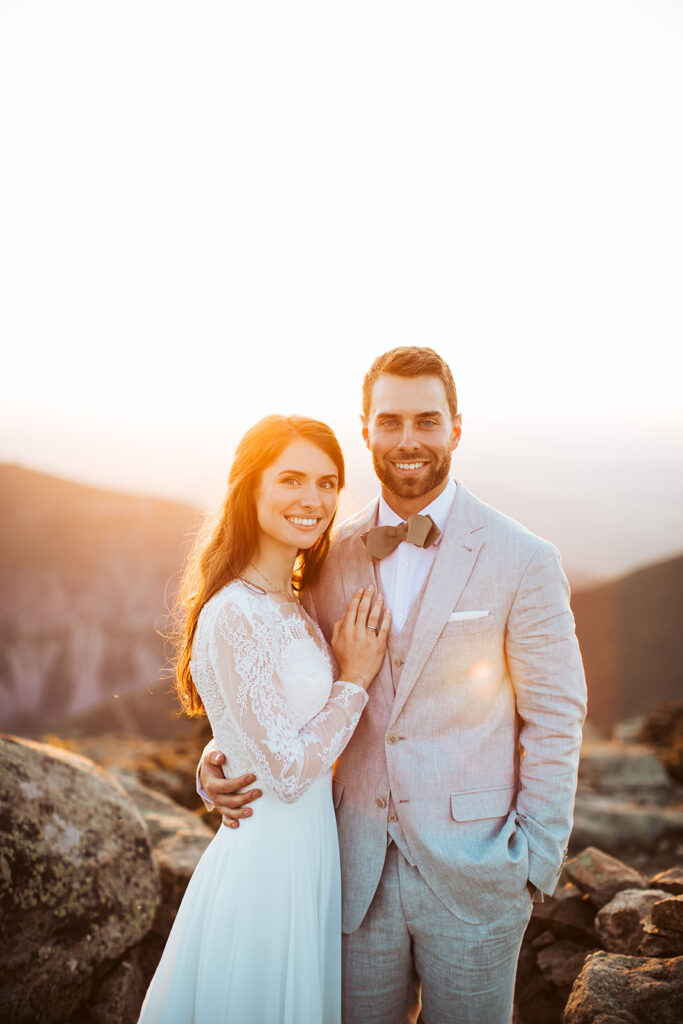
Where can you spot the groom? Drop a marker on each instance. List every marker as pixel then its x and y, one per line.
pixel 454 796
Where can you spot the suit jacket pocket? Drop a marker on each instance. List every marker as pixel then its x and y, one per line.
pixel 462 629
pixel 473 804
pixel 337 790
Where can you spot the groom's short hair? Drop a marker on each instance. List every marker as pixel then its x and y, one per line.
pixel 411 361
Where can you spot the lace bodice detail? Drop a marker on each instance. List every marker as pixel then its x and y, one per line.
pixel 268 689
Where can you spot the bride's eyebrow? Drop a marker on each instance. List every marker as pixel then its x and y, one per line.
pixel 298 473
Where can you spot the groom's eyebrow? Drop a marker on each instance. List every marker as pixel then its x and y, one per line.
pixel 386 413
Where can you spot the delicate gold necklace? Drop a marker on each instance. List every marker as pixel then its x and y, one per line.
pixel 292 597
pixel 289 594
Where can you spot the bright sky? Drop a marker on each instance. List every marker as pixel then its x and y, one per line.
pixel 213 210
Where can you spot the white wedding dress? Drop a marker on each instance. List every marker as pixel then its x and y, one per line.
pixel 257 938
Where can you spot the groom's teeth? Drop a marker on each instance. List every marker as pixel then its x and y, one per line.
pixel 409 465
pixel 300 521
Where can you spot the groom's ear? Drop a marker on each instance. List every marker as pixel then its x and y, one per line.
pixel 364 429
pixel 457 431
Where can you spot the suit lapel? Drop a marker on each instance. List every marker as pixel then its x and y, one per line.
pixel 358 569
pixel 458 551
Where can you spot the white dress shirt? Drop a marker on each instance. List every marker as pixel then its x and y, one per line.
pixel 404 571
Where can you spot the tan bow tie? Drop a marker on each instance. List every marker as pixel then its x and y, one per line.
pixel 421 531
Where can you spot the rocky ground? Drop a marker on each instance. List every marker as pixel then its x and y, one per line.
pixel 99 837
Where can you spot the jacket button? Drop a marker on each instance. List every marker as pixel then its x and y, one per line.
pixel 380 802
pixel 393 818
pixel 392 738
pixel 398 662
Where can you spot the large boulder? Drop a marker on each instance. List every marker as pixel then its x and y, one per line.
pixel 78 884
pixel 627 990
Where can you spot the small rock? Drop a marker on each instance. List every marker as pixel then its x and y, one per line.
pixel 668 913
pixel 561 963
pixel 629 730
pixel 627 990
pixel 119 995
pixel 543 939
pixel 670 881
pixel 538 1001
pixel 567 916
pixel 618 923
pixel 602 876
pixel 659 942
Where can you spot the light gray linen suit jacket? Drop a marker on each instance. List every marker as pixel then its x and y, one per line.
pixel 479 745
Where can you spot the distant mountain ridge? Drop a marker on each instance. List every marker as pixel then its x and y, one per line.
pixel 87 577
pixel 631 639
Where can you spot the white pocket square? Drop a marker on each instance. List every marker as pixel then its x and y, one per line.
pixel 459 616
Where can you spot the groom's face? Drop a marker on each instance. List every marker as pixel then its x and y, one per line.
pixel 411 434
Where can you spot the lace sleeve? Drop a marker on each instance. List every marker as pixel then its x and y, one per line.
pixel 245 650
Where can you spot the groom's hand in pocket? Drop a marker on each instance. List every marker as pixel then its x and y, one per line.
pixel 229 796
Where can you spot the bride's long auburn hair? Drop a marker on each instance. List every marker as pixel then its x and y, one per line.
pixel 223 549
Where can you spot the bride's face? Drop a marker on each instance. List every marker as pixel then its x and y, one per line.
pixel 297 495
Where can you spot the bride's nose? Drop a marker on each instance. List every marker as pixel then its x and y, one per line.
pixel 309 498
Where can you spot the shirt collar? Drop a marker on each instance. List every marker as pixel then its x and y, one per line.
pixel 437 509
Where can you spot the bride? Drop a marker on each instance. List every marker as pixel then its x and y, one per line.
pixel 257 938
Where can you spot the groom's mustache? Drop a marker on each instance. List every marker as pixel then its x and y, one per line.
pixel 410 457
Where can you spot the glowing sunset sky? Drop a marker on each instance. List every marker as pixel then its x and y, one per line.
pixel 210 211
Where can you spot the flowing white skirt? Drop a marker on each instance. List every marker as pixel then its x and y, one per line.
pixel 257 938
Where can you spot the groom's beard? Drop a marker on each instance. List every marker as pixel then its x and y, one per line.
pixel 413 487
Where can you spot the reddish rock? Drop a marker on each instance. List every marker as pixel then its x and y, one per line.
pixel 668 914
pixel 619 922
pixel 670 881
pixel 602 876
pixel 627 990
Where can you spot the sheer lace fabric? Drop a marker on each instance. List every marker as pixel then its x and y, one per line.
pixel 257 937
pixel 266 679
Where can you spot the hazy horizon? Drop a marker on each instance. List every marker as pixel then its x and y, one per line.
pixel 610 506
